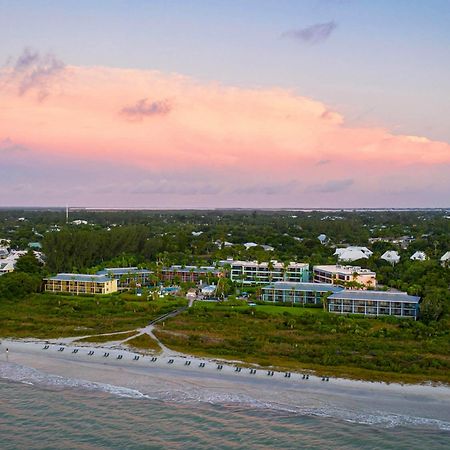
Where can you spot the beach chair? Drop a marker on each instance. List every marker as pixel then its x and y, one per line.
pixel 153 359
pixel 170 361
pixel 91 353
pixel 75 350
pixel 219 367
pixel 238 369
pixel 119 356
pixel 61 349
pixel 45 347
pixel 202 364
pixel 136 357
pixel 105 355
pixel 287 375
pixel 187 363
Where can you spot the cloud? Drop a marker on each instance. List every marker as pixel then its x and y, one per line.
pixel 7 146
pixel 225 146
pixel 144 108
pixel 35 72
pixel 330 186
pixel 267 189
pixel 314 34
pixel 174 186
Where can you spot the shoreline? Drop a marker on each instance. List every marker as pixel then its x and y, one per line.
pixel 377 402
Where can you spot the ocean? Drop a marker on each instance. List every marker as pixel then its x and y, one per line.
pixel 43 411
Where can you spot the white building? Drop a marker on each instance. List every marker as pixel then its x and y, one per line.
pixel 253 272
pixel 342 275
pixel 419 256
pixel 352 253
pixel 8 264
pixel 391 256
pixel 445 259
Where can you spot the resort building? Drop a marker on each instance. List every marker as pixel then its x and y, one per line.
pixel 80 284
pixel 192 274
pixel 343 275
pixel 128 277
pixel 374 303
pixel 298 293
pixel 253 272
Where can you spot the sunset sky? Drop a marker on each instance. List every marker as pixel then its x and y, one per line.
pixel 257 103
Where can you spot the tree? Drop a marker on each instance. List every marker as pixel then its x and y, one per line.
pixel 17 285
pixel 434 305
pixel 28 263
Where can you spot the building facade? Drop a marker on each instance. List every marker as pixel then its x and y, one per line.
pixel 374 303
pixel 191 274
pixel 344 275
pixel 80 284
pixel 297 293
pixel 253 272
pixel 128 277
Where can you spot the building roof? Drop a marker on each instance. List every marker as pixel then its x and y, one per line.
pixel 352 253
pixel 79 277
pixel 375 296
pixel 391 256
pixel 303 287
pixel 419 256
pixel 345 270
pixel 123 271
pixel 445 256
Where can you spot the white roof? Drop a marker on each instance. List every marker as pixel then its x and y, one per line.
pixel 267 248
pixel 350 254
pixel 445 256
pixel 248 245
pixel 419 256
pixel 391 256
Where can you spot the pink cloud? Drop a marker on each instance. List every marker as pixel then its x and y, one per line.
pixel 235 139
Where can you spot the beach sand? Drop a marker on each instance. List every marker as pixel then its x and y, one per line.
pixel 27 361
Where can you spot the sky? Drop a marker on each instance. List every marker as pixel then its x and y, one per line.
pixel 222 104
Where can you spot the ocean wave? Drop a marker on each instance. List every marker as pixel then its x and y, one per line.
pixel 29 376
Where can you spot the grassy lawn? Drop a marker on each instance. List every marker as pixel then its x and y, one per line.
pixel 301 338
pixel 144 342
pixel 52 315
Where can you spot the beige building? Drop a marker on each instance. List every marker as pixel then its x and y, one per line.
pixel 345 275
pixel 80 284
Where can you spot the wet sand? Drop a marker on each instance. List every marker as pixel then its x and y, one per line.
pixel 177 381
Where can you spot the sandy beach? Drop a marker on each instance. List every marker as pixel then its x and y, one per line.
pixel 175 377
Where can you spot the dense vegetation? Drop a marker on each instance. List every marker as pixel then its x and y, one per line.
pixel 53 316
pixel 301 338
